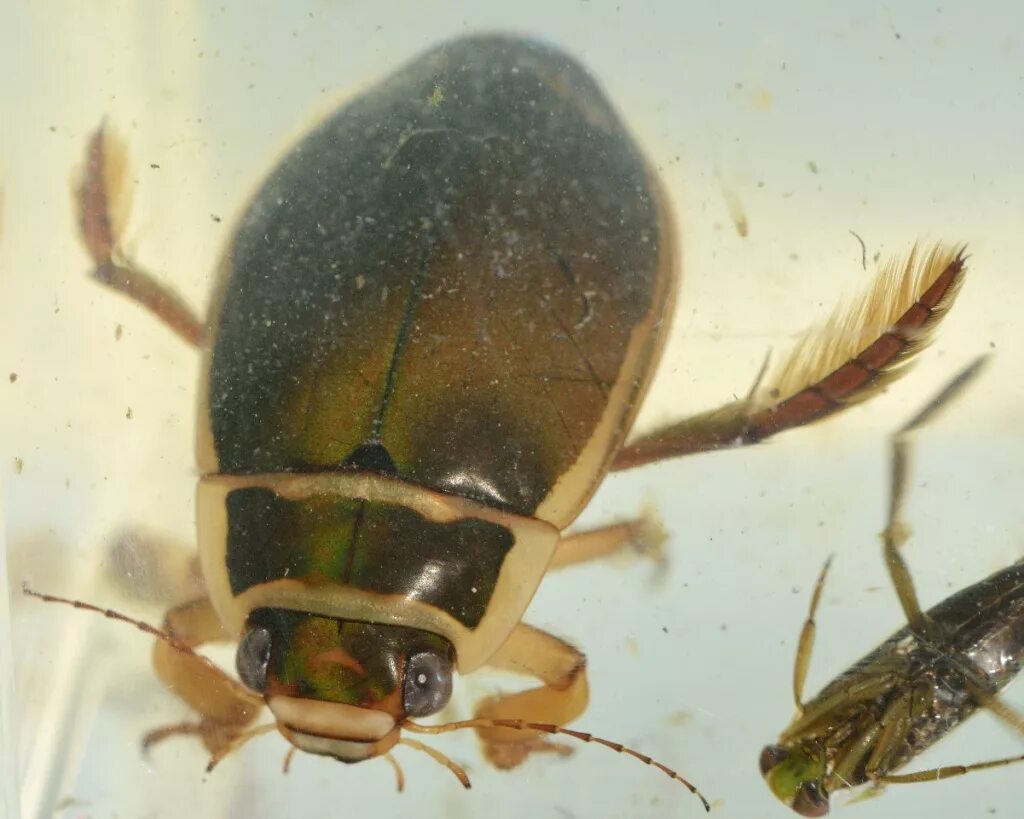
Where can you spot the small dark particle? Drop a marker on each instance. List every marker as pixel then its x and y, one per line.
pixel 19 465
pixel 153 165
pixel 863 250
pixel 118 332
pixel 215 217
pixel 129 414
pixel 812 166
pixel 14 377
pixel 53 129
pixel 665 629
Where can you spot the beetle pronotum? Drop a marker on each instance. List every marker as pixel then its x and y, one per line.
pixel 431 331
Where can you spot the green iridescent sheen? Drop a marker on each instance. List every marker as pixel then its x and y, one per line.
pixel 379 547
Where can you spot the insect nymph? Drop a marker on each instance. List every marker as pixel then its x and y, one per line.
pixel 432 329
pixel 916 687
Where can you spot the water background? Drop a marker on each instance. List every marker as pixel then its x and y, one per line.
pixel 897 121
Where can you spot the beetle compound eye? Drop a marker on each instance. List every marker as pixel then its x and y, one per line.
pixel 428 684
pixel 252 658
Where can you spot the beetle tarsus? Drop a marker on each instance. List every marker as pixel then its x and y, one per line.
pixel 860 351
pixel 158 735
pixel 101 196
pixel 102 201
pixel 857 353
pixel 508 755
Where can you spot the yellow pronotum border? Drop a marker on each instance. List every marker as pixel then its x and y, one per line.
pixel 520 575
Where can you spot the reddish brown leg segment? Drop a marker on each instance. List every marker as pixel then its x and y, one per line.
pixel 102 204
pixel 824 375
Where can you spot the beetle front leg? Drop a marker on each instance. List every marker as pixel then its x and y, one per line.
pixel 562 698
pixel 102 208
pixel 225 707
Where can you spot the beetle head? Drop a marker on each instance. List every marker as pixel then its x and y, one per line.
pixel 339 687
pixel 796 775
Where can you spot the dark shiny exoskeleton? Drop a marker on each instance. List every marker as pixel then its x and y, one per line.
pixel 976 640
pixel 450 296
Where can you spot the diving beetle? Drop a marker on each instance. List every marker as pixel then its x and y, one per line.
pixel 431 332
pixel 917 686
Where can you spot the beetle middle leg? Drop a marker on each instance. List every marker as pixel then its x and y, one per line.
pixel 563 697
pixel 644 535
pixel 102 206
pixel 225 707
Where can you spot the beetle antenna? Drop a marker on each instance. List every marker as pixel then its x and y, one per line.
pixel 436 755
pixel 286 765
pixel 399 774
pixel 174 642
pixel 547 728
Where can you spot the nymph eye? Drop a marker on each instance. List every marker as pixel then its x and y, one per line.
pixel 428 684
pixel 252 658
pixel 771 756
pixel 811 800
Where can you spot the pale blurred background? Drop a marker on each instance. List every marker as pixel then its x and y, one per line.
pixel 896 121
